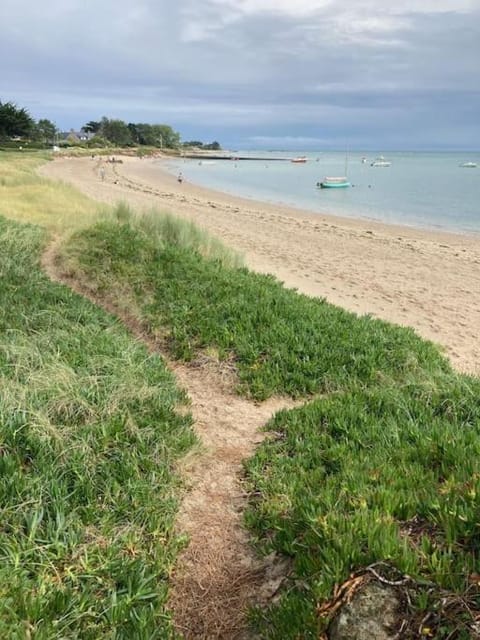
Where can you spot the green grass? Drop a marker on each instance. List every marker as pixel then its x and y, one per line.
pixel 90 434
pixel 343 474
pixel 282 342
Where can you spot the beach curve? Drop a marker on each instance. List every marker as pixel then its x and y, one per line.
pixel 427 280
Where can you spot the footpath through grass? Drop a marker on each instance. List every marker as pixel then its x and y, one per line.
pixel 89 435
pixel 390 446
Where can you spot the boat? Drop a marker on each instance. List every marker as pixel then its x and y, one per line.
pixel 336 182
pixel 300 159
pixel 380 162
pixel 469 165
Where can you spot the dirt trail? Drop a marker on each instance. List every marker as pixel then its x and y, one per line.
pixel 218 575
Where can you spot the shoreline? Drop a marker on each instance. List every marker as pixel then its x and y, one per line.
pixel 174 165
pixel 429 232
pixel 429 280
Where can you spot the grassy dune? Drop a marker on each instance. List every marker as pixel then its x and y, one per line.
pixel 90 433
pixel 391 440
pixel 282 342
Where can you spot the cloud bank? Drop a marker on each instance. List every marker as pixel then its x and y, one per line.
pixel 252 72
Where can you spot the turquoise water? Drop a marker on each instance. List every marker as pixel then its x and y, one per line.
pixel 427 190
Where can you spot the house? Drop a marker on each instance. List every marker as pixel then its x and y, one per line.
pixel 74 137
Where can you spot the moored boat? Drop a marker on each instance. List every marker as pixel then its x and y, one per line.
pixel 336 182
pixel 380 162
pixel 299 160
pixel 469 165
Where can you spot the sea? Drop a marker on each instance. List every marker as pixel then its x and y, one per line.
pixel 428 190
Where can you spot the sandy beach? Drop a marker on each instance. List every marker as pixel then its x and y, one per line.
pixel 427 280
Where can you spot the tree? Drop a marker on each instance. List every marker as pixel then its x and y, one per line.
pixel 143 133
pixel 119 133
pixel 134 133
pixel 192 143
pixel 213 146
pixel 165 137
pixel 15 121
pixel 92 127
pixel 116 132
pixel 46 131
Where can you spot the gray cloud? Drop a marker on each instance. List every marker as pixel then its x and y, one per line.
pixel 315 71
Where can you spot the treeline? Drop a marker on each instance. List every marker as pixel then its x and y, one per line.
pixel 124 134
pixel 17 124
pixel 211 146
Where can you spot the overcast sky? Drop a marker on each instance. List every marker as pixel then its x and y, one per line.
pixel 277 74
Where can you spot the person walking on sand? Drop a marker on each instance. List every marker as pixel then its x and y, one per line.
pixel 180 177
pixel 102 173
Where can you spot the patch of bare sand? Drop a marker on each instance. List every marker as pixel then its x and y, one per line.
pixel 218 576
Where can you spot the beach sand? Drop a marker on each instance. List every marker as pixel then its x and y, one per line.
pixel 426 280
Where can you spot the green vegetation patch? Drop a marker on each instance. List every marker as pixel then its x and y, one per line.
pixel 345 481
pixel 282 342
pixel 90 430
pixel 383 466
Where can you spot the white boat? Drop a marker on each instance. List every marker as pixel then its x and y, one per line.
pixel 469 165
pixel 380 162
pixel 336 182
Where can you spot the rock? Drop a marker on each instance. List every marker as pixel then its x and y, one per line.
pixel 372 614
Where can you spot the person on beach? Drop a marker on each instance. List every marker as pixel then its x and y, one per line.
pixel 180 177
pixel 102 173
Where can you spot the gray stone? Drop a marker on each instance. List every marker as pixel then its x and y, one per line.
pixel 372 614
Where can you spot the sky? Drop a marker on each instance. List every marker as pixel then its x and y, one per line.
pixel 253 74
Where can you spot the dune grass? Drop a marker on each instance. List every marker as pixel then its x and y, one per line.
pixel 166 230
pixel 27 197
pixel 90 432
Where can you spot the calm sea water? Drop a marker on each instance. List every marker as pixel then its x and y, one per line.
pixel 427 190
pixel 419 189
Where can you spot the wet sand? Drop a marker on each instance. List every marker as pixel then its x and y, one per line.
pixel 427 280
